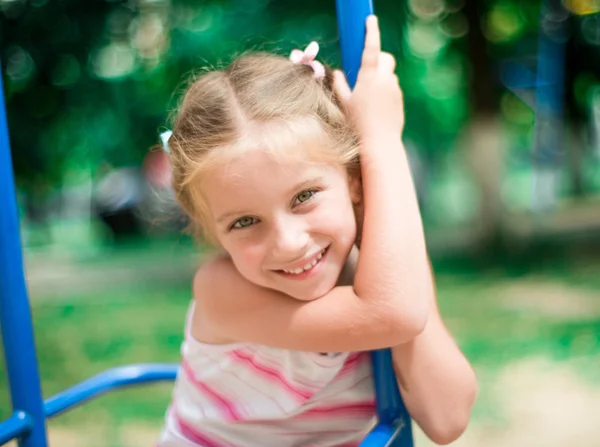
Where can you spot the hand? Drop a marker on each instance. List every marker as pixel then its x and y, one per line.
pixel 375 104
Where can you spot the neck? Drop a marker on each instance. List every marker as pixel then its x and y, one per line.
pixel 346 277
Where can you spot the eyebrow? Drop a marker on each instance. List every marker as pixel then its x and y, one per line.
pixel 228 216
pixel 308 182
pixel 300 186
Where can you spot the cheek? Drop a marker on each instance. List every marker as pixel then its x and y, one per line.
pixel 246 256
pixel 338 220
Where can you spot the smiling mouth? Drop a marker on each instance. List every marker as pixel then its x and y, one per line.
pixel 308 266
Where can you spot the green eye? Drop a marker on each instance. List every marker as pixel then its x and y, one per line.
pixel 304 196
pixel 244 222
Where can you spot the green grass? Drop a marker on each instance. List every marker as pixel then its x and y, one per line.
pixel 492 335
pixel 84 335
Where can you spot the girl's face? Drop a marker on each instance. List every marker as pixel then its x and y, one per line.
pixel 288 225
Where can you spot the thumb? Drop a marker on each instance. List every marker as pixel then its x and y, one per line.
pixel 341 88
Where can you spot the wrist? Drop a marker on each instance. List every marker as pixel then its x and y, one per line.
pixel 381 151
pixel 379 129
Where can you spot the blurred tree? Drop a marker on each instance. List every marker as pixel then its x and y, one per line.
pixel 89 84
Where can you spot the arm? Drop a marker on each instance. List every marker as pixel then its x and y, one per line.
pixel 230 308
pixel 393 261
pixel 436 381
pixel 386 305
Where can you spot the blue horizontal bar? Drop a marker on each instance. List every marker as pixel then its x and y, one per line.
pixel 382 435
pixel 106 381
pixel 15 426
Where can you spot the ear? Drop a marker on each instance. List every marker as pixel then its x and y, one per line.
pixel 356 195
pixel 355 185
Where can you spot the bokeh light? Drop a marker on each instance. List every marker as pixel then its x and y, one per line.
pixel 426 9
pixel 114 61
pixel 20 67
pixel 582 7
pixel 590 29
pixel 504 22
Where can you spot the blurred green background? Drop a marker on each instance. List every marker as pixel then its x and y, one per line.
pixel 503 129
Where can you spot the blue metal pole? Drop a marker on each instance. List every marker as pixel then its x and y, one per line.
pixel 19 424
pixel 351 17
pixel 106 381
pixel 549 97
pixel 15 314
pixel 390 407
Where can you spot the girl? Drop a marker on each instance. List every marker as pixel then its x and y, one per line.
pixel 265 160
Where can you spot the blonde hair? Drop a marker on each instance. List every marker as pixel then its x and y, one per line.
pixel 259 101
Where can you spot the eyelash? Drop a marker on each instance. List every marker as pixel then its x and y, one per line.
pixel 312 194
pixel 295 202
pixel 235 226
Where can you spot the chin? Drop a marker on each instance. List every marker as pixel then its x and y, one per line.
pixel 308 297
pixel 313 294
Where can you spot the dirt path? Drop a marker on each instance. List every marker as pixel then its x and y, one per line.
pixel 52 277
pixel 538 403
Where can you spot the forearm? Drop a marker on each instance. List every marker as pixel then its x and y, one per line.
pixel 392 266
pixel 437 382
pixel 391 271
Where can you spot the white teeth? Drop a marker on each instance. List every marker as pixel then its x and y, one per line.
pixel 307 266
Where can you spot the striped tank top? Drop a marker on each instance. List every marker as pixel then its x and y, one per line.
pixel 248 395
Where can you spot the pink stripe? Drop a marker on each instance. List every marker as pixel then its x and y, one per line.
pixel 192 434
pixel 330 433
pixel 359 408
pixel 271 373
pixel 248 384
pixel 353 361
pixel 326 432
pixel 266 361
pixel 352 444
pixel 227 406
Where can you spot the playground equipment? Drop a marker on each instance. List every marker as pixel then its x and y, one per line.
pixel 547 86
pixel 30 411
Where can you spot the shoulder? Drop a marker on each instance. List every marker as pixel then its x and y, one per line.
pixel 216 282
pixel 221 292
pixel 211 300
pixel 211 272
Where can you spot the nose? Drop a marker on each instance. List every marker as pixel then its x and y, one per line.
pixel 290 238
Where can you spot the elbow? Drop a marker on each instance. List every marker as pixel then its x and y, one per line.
pixel 452 424
pixel 448 433
pixel 411 317
pixel 405 325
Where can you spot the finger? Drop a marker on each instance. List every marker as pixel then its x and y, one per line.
pixel 372 44
pixel 387 62
pixel 340 87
